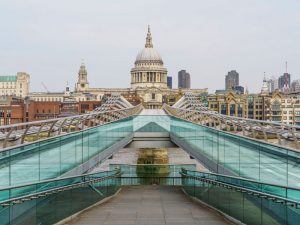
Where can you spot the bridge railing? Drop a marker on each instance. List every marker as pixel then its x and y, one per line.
pixel 230 154
pixel 151 174
pixel 55 156
pixel 280 191
pixel 21 193
pixel 247 201
pixel 16 134
pixel 268 131
pixel 52 201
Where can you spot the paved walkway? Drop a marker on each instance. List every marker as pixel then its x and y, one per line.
pixel 150 205
pixel 152 112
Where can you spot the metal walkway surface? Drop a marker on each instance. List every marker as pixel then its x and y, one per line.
pixel 150 205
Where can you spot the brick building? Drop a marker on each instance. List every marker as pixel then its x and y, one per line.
pixel 17 110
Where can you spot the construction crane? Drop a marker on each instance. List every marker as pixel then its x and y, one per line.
pixel 44 86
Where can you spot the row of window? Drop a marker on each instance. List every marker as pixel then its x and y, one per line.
pixel 58 99
pixel 11 85
pixel 48 99
pixel 44 111
pixel 4 121
pixel 10 91
pixel 5 113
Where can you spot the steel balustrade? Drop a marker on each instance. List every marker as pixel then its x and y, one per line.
pixel 247 186
pixel 267 131
pixel 12 135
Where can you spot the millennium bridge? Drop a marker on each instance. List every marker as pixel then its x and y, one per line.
pixel 49 170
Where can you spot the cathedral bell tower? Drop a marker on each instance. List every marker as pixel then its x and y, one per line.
pixel 82 83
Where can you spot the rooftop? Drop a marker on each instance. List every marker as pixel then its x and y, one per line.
pixel 8 78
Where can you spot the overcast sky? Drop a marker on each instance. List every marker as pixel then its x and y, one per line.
pixel 48 39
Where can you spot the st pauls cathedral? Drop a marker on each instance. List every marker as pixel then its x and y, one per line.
pixel 148 83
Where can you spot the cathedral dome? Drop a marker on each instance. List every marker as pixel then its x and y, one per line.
pixel 148 54
pixel 148 70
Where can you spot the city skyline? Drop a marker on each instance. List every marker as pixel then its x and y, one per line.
pixel 48 42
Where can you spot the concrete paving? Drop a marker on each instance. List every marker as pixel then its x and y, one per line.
pixel 150 205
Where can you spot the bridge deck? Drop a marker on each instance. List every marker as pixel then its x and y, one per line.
pixel 155 205
pixel 152 112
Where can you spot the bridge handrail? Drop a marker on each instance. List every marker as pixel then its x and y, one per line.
pixel 63 118
pixel 15 133
pixel 280 191
pixel 235 201
pixel 15 193
pixel 231 123
pixel 234 117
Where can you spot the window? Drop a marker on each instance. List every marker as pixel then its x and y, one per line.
pixel 153 96
pixel 276 106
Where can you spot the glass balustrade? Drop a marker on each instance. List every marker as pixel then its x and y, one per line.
pixel 53 157
pixel 237 155
pixel 220 151
pixel 242 204
pixel 51 207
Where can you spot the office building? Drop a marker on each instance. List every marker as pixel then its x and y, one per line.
pixel 184 80
pixel 169 82
pixel 284 81
pixel 272 84
pixel 231 80
pixel 295 86
pixel 238 89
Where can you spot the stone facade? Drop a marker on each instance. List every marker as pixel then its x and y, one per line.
pixel 82 83
pixel 15 85
pixel 274 106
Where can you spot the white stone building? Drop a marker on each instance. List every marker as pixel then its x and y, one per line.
pixel 15 85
